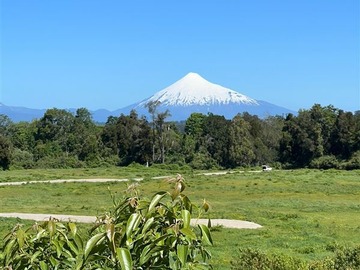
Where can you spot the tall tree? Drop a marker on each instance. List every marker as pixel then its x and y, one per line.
pixel 152 109
pixel 192 138
pixel 216 138
pixel 159 128
pixel 5 124
pixel 133 139
pixel 5 153
pixel 344 135
pixel 240 145
pixel 55 127
pixel 84 136
pixel 109 135
pixel 22 135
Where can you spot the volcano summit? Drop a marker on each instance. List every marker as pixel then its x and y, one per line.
pixel 193 93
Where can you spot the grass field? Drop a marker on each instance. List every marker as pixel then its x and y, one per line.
pixel 305 213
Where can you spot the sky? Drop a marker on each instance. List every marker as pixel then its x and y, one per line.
pixel 110 54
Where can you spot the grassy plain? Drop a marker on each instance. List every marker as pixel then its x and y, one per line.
pixel 305 213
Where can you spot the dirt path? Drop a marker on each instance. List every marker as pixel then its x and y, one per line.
pixel 104 180
pixel 59 181
pixel 226 223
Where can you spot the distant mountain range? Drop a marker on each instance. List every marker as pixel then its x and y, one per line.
pixel 190 94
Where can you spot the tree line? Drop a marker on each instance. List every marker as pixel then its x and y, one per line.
pixel 320 137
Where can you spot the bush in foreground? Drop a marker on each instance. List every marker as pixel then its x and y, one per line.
pixel 250 259
pixel 137 234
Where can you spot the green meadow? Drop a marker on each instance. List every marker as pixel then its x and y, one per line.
pixel 304 213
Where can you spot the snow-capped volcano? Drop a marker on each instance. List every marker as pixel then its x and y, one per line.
pixel 193 93
pixel 195 90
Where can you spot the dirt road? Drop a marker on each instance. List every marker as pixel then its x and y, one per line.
pixel 226 223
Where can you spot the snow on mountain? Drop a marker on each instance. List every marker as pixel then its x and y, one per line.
pixel 195 90
pixel 193 93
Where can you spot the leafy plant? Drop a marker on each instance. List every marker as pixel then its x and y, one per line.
pixel 344 258
pixel 138 234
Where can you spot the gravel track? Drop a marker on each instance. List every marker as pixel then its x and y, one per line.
pixel 226 223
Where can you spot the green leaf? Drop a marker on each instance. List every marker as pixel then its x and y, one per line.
pixel 206 206
pixel 133 223
pixel 205 233
pixel 51 227
pixel 91 244
pixel 110 231
pixel 188 233
pixel 39 235
pixel 59 247
pixel 79 242
pixel 124 257
pixel 148 252
pixel 187 203
pixel 182 253
pixel 34 256
pixel 73 247
pixel 43 265
pixel 177 190
pixel 155 200
pixel 186 218
pixel 20 236
pixel 8 250
pixel 147 225
pixel 73 228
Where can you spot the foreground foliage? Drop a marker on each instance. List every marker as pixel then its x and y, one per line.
pixel 137 234
pixel 250 259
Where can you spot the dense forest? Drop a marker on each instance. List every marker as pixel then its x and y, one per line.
pixel 321 137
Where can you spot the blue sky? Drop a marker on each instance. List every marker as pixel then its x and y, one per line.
pixel 110 54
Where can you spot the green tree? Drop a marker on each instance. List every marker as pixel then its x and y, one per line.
pixel 55 126
pixel 271 135
pixel 5 124
pixel 22 135
pixel 133 139
pixel 159 130
pixel 216 138
pixel 240 145
pixel 192 139
pixel 344 135
pixel 109 135
pixel 5 153
pixel 84 136
pixel 307 136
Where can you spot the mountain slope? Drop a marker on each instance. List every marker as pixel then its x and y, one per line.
pixel 195 90
pixel 18 114
pixel 193 93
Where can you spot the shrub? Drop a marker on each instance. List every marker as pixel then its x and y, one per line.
pixel 59 162
pixel 344 258
pixel 353 163
pixel 203 161
pixel 138 234
pixel 325 162
pixel 250 259
pixel 22 159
